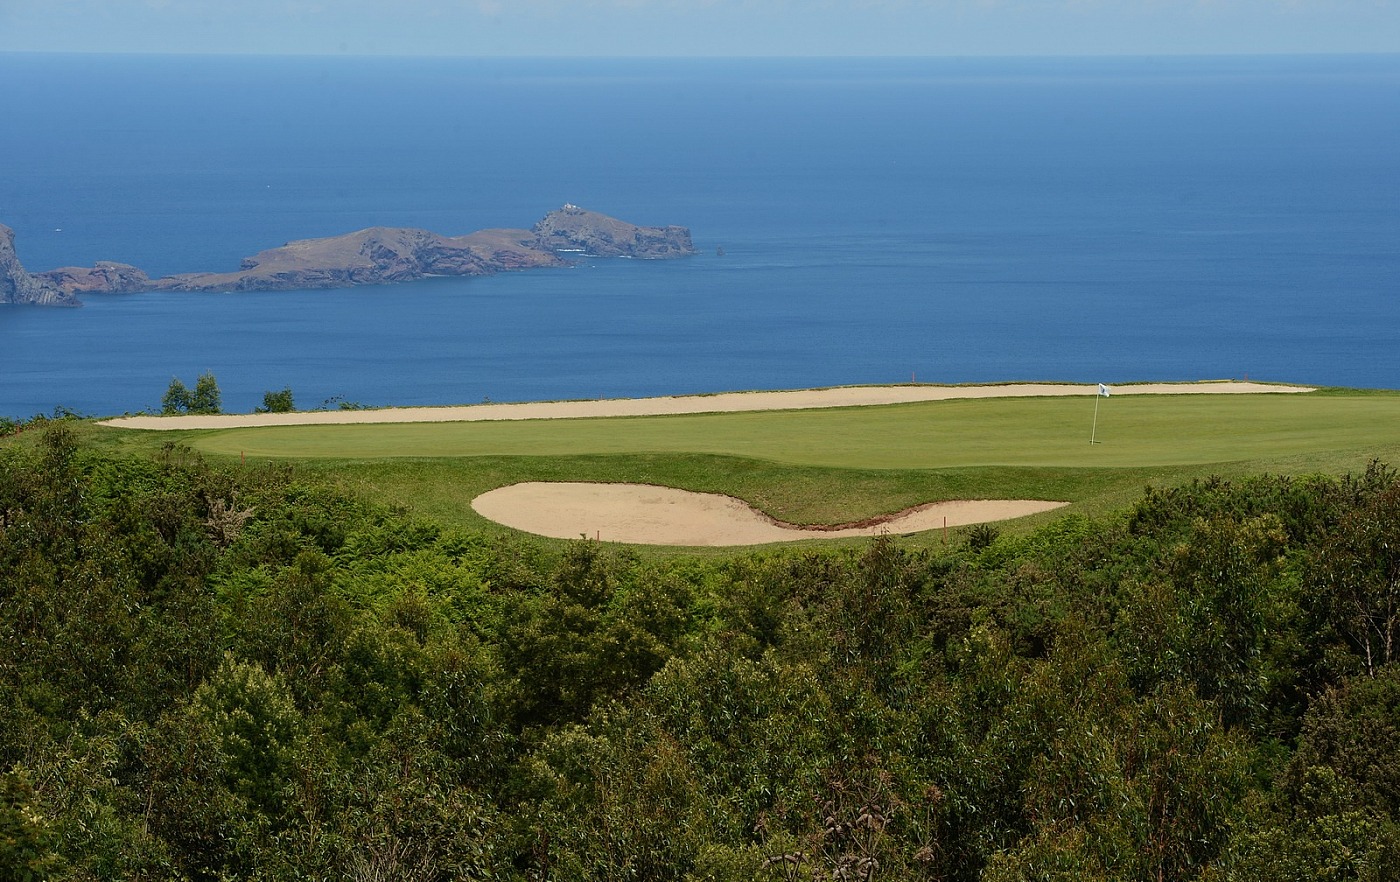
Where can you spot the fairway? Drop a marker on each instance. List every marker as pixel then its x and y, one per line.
pixel 1134 432
pixel 840 464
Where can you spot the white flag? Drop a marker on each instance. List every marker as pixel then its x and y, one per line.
pixel 1103 390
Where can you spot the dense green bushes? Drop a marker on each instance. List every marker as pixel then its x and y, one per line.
pixel 210 674
pixel 204 399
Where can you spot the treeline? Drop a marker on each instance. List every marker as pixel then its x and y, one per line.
pixel 211 674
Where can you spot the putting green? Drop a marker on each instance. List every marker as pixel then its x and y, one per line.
pixel 1133 431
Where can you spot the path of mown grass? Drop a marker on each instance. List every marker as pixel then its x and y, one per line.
pixel 842 464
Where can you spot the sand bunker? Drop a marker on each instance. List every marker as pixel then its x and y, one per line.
pixel 727 402
pixel 643 514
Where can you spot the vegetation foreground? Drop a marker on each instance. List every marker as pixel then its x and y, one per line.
pixel 210 672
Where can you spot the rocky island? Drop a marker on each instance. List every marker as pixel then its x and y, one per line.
pixel 374 256
pixel 19 286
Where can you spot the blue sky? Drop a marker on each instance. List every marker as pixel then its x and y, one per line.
pixel 702 27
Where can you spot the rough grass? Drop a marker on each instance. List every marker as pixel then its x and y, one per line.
pixel 841 464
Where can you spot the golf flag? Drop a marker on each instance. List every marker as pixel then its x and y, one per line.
pixel 1093 432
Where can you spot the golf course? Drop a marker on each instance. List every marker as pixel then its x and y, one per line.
pixel 842 464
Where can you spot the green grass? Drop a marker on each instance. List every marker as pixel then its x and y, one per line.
pixel 1133 432
pixel 842 464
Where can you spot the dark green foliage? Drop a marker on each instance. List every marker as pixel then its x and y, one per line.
pixel 206 397
pixel 1359 573
pixel 981 536
pixel 181 773
pixel 210 674
pixel 176 398
pixel 1317 830
pixel 27 839
pixel 1354 730
pixel 203 399
pixel 254 724
pixel 593 634
pixel 277 402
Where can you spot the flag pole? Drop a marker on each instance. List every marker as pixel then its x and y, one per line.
pixel 1100 392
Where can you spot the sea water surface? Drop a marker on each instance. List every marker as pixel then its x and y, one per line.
pixel 947 220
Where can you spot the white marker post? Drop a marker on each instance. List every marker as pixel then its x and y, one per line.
pixel 1102 393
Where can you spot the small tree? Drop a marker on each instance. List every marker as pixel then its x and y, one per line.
pixel 176 399
pixel 277 402
pixel 206 398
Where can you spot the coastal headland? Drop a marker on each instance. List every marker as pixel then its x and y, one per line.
pixel 372 256
pixel 19 286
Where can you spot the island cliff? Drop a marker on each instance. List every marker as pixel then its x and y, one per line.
pixel 374 256
pixel 20 286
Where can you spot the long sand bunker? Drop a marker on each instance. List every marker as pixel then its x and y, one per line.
pixel 726 402
pixel 643 514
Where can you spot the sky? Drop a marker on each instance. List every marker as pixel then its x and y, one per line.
pixel 614 28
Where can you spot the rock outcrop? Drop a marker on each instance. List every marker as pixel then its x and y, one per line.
pixel 104 278
pixel 383 255
pixel 576 229
pixel 19 286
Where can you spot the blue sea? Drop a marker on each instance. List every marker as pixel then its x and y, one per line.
pixel 946 220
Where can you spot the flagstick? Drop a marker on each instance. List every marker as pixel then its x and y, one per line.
pixel 1093 433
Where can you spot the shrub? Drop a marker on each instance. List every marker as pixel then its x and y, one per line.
pixel 206 398
pixel 176 398
pixel 277 402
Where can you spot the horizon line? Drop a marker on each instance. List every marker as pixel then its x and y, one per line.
pixel 710 57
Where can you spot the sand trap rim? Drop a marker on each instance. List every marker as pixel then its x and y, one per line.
pixel 650 514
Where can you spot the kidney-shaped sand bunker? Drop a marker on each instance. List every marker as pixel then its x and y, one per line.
pixel 644 514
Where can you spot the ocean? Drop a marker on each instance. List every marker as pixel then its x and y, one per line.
pixel 858 221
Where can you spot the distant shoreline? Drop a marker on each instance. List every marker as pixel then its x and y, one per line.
pixel 670 405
